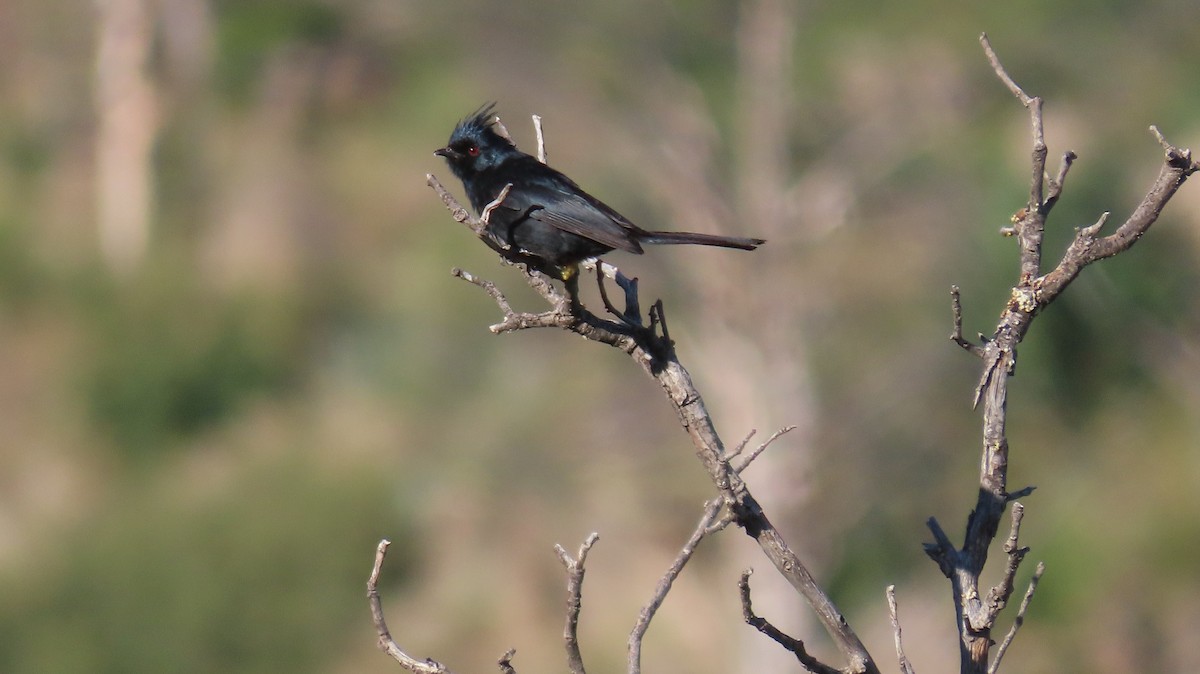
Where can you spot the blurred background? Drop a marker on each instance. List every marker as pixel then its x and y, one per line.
pixel 233 357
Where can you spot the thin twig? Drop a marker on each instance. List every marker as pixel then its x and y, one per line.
pixel 514 320
pixel 485 216
pixel 1018 621
pixel 957 334
pixel 942 550
pixel 1021 493
pixel 1056 184
pixel 729 455
pixel 505 662
pixel 477 226
pixel 1029 229
pixel 488 287
pixel 905 665
pixel 501 129
pixel 994 60
pixel 795 646
pixel 998 595
pixel 633 308
pixel 658 317
pixel 610 271
pixel 575 571
pixel 710 523
pixel 608 305
pixel 739 466
pixel 386 643
pixel 541 139
pixel 629 286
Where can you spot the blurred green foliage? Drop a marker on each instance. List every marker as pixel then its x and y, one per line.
pixel 254 578
pixel 168 361
pixel 249 33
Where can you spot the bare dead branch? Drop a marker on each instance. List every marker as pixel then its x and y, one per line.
pixel 464 216
pixel 575 571
pixel 460 214
pixel 795 646
pixel 386 643
pixel 489 288
pixel 1085 249
pixel 501 129
pixel 1056 184
pixel 608 305
pixel 505 662
pixel 905 665
pixel 998 595
pixel 957 334
pixel 1021 493
pixel 541 139
pixel 486 215
pixel 739 466
pixel 994 60
pixel 651 347
pixel 741 445
pixel 1094 228
pixel 1032 293
pixel 942 550
pixel 1029 229
pixel 710 523
pixel 479 227
pixel 1018 621
pixel 658 321
pixel 599 266
pixel 632 313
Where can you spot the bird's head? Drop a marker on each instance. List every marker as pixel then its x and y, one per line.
pixel 475 146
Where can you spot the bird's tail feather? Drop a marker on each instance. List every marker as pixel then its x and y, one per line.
pixel 701 240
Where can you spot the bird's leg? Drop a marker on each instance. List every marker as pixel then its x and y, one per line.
pixel 570 277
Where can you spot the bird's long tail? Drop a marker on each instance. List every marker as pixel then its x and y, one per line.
pixel 702 240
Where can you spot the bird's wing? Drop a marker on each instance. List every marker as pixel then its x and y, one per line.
pixel 573 214
pixel 570 209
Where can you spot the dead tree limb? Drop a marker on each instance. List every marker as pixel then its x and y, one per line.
pixel 386 642
pixel 575 570
pixel 894 613
pixel 976 610
pixel 650 346
pixel 793 645
pixel 711 521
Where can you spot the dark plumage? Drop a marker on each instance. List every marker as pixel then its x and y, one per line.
pixel 545 213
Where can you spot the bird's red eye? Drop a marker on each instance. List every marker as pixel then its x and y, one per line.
pixel 473 150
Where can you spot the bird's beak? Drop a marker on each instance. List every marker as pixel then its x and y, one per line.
pixel 446 152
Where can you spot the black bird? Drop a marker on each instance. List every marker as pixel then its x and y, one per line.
pixel 545 214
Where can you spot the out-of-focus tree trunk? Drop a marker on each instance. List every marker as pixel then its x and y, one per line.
pixel 754 346
pixel 779 384
pixel 127 120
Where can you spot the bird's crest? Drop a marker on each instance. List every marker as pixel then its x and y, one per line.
pixel 479 123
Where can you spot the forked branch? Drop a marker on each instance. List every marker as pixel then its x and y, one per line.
pixel 977 610
pixel 650 346
pixel 575 570
pixel 795 646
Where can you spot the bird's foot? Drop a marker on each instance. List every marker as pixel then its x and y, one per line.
pixel 571 304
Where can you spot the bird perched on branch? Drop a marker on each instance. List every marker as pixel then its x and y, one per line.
pixel 544 213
